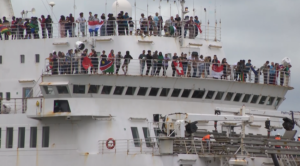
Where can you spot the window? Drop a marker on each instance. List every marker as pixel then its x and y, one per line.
pixel 262 100
pixel 176 92
pixel 49 90
pixel 186 93
pixel 142 91
pixel 164 92
pixel 80 89
pixel 198 94
pixel 9 137
pixel 21 139
pixel 271 100
pixel 45 136
pixel 37 58
pixel 228 96
pixel 210 94
pixel 219 96
pixel 94 89
pixel 246 98
pixel 33 136
pixel 136 137
pixel 106 90
pixel 237 97
pixel 277 101
pixel 7 95
pixel 118 90
pixel 61 106
pixel 147 136
pixel 153 91
pixel 22 58
pixel 130 91
pixel 0 59
pixel 62 89
pixel 254 99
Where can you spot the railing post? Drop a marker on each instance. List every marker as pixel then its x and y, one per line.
pixel 268 76
pixel 127 147
pixel 141 144
pixel 15 105
pixel 58 66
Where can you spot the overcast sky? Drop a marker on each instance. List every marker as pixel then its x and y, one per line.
pixel 251 29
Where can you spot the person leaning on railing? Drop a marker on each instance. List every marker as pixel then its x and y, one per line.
pixel 81 21
pixel 118 62
pixel 165 64
pixel 127 58
pixel 149 61
pixel 265 70
pixel 174 59
pixel 49 26
pixel 154 62
pixel 5 23
pixel 142 58
pixel 13 28
pixel 159 63
pixel 201 67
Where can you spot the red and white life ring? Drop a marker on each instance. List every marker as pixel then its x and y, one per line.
pixel 110 143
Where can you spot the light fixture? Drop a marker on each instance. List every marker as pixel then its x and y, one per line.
pixel 139 119
pixel 195 44
pixel 145 41
pixel 60 43
pixel 108 39
pixel 214 46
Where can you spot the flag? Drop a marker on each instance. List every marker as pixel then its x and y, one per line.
pixel 217 70
pixel 86 63
pixel 4 29
pixel 95 25
pixel 179 68
pixel 172 30
pixel 33 27
pixel 199 27
pixel 106 66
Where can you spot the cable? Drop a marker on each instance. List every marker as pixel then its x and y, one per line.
pixel 53 12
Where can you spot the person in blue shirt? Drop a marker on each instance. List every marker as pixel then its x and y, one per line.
pixel 126 19
pixel 196 21
pixel 248 67
pixel 272 74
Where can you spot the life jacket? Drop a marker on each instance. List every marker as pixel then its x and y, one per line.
pixel 206 137
pixel 277 138
pixel 299 139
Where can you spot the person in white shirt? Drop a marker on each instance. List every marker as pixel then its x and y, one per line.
pixel 143 24
pixel 81 21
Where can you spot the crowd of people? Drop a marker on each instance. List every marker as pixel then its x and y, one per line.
pixel 25 28
pixel 157 64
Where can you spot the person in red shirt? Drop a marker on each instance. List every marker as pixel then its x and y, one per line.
pixel 299 137
pixel 207 139
pixel 42 20
pixel 277 137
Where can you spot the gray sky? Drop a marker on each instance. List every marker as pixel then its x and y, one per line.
pixel 256 30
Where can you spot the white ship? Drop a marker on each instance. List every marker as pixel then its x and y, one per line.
pixel 57 115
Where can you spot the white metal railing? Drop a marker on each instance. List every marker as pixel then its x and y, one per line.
pixel 151 146
pixel 13 106
pixel 129 146
pixel 165 68
pixel 112 28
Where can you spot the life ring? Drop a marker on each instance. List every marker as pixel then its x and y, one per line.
pixel 110 143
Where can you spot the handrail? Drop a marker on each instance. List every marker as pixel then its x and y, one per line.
pixel 111 28
pixel 165 68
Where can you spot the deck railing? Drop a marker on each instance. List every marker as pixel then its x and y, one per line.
pixel 112 28
pixel 13 106
pixel 163 68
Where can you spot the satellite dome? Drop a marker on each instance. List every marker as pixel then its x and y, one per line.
pixel 122 5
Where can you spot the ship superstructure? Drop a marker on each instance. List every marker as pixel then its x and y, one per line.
pixel 93 118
